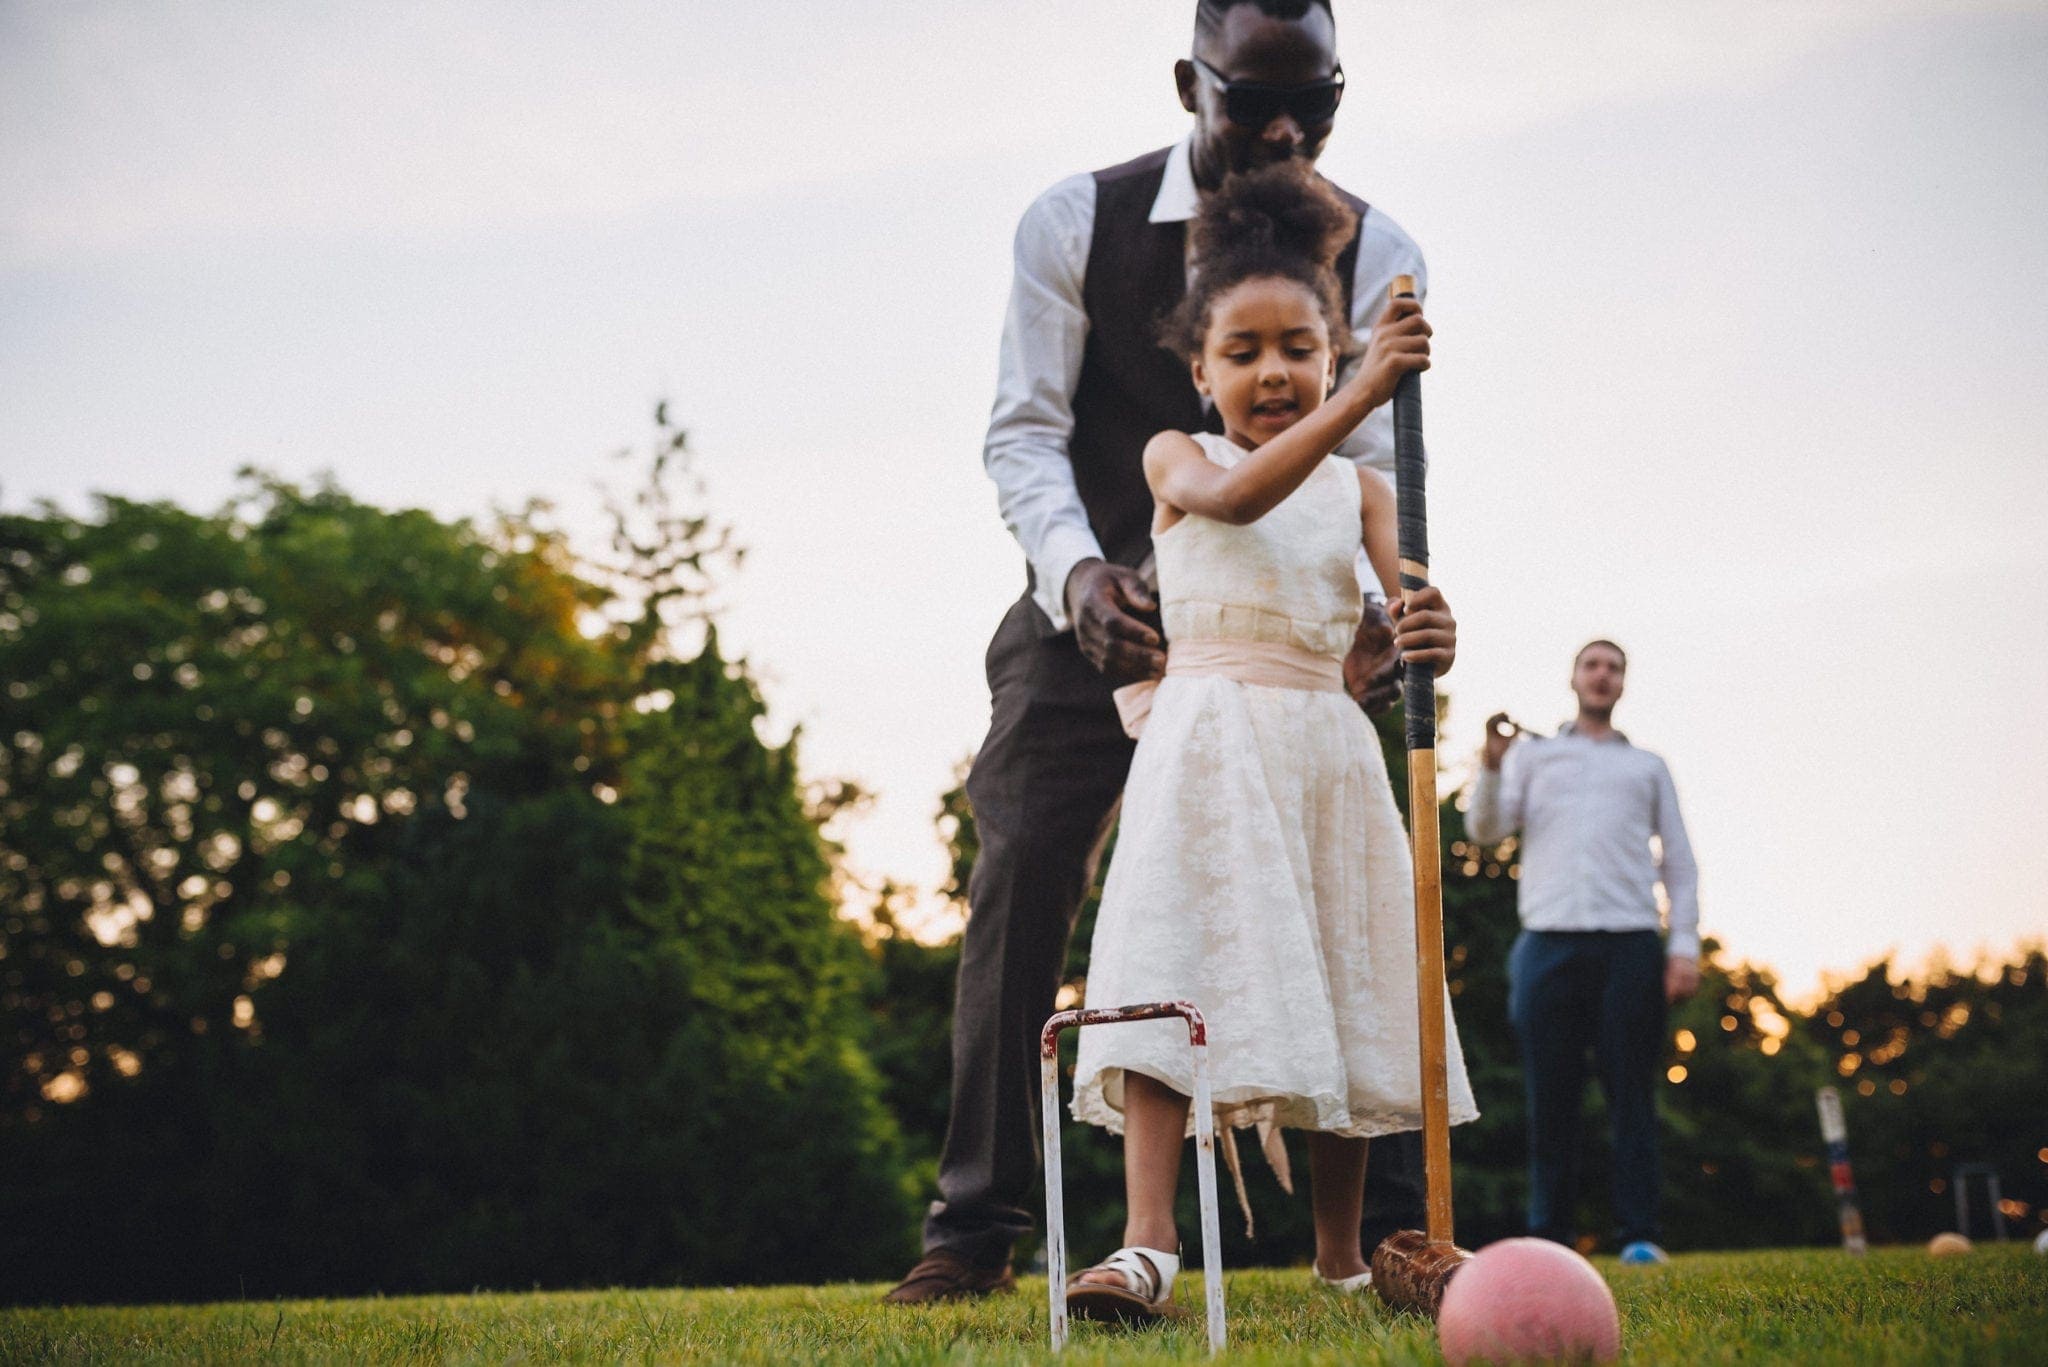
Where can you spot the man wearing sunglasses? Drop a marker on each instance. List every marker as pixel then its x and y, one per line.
pixel 1082 386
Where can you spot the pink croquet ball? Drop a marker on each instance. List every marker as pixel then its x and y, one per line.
pixel 1528 1298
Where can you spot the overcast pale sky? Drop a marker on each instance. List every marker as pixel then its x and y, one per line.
pixel 1740 354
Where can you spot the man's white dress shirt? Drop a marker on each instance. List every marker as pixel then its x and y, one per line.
pixel 1046 330
pixel 1586 809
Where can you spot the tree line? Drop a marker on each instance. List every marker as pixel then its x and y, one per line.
pixel 391 903
pixel 1936 1071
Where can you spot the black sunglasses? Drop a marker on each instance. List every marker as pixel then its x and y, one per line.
pixel 1254 104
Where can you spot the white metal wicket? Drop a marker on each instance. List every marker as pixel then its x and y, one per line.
pixel 1205 1155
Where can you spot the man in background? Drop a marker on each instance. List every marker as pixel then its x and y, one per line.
pixel 1590 973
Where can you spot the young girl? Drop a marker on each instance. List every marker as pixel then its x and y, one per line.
pixel 1261 870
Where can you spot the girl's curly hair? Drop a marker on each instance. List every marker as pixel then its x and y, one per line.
pixel 1281 220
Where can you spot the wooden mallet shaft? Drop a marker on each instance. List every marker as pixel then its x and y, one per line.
pixel 1412 1267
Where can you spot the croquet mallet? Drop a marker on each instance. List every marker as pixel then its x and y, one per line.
pixel 1411 1267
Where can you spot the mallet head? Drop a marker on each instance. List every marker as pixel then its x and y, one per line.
pixel 1410 1271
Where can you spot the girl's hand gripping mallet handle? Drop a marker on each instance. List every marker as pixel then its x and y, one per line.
pixel 1410 1268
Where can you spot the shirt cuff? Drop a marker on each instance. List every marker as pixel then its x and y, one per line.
pixel 1064 547
pixel 1684 943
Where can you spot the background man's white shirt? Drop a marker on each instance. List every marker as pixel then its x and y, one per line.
pixel 1586 810
pixel 1046 330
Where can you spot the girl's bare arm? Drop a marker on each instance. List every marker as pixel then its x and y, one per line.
pixel 1424 628
pixel 1378 532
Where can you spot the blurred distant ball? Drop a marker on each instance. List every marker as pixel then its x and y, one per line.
pixel 2041 1243
pixel 1643 1253
pixel 1528 1299
pixel 1948 1244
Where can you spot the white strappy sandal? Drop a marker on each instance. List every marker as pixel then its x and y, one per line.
pixel 1350 1286
pixel 1145 1296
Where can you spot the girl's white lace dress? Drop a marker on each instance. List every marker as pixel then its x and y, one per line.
pixel 1261 869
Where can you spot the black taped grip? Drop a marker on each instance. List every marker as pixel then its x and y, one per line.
pixel 1411 470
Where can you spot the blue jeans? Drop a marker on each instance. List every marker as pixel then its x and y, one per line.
pixel 1571 993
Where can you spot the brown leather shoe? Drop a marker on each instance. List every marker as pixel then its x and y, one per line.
pixel 943 1275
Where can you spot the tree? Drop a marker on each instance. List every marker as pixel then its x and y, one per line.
pixel 388 903
pixel 1936 1073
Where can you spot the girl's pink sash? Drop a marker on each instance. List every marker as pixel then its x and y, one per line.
pixel 1266 664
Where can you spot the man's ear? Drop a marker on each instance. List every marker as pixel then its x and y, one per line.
pixel 1184 81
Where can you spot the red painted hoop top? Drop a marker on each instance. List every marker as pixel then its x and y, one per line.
pixel 1049 1037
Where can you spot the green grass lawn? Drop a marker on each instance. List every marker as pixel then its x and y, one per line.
pixel 1898 1305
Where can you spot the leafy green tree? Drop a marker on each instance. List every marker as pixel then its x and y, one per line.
pixel 206 714
pixel 910 998
pixel 388 903
pixel 1937 1073
pixel 1742 1154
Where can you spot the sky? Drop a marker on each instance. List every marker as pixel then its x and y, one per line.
pixel 1739 355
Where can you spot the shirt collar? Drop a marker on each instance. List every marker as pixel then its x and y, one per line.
pixel 1177 199
pixel 1571 728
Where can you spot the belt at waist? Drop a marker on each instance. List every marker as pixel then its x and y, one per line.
pixel 1265 664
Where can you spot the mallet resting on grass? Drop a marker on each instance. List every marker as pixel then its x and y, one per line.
pixel 1411 1267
